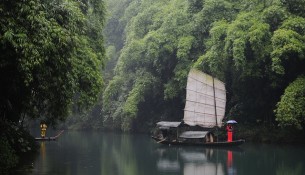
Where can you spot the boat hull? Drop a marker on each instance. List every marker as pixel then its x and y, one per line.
pixel 49 138
pixel 209 144
pixel 45 138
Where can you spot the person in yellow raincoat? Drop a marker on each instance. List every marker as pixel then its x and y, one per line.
pixel 43 129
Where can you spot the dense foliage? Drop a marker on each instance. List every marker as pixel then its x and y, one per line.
pixel 256 47
pixel 290 109
pixel 51 58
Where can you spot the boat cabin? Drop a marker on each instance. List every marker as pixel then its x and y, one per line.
pixel 176 132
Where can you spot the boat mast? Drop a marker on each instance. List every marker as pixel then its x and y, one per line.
pixel 215 102
pixel 215 109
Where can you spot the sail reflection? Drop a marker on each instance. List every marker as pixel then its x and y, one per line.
pixel 168 166
pixel 199 169
pixel 196 161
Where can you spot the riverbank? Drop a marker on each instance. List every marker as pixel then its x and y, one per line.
pixel 270 134
pixel 258 134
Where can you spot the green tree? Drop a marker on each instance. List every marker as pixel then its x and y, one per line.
pixel 148 53
pixel 290 109
pixel 51 58
pixel 295 6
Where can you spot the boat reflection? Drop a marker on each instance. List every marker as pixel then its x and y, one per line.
pixel 195 161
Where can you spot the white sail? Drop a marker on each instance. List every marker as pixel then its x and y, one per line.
pixel 203 93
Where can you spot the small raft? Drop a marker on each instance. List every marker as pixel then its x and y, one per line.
pixel 49 138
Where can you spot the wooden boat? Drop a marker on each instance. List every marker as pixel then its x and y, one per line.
pixel 49 138
pixel 204 109
pixel 207 144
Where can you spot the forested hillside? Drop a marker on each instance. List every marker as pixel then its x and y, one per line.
pixel 256 47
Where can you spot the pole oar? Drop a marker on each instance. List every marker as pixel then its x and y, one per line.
pixel 161 140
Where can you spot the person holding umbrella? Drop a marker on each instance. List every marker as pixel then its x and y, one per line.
pixel 230 130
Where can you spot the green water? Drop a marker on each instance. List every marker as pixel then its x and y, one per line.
pixel 98 153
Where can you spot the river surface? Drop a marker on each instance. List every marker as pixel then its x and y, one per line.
pixel 103 153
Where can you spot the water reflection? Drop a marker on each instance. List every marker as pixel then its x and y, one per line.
pixel 78 153
pixel 195 161
pixel 42 156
